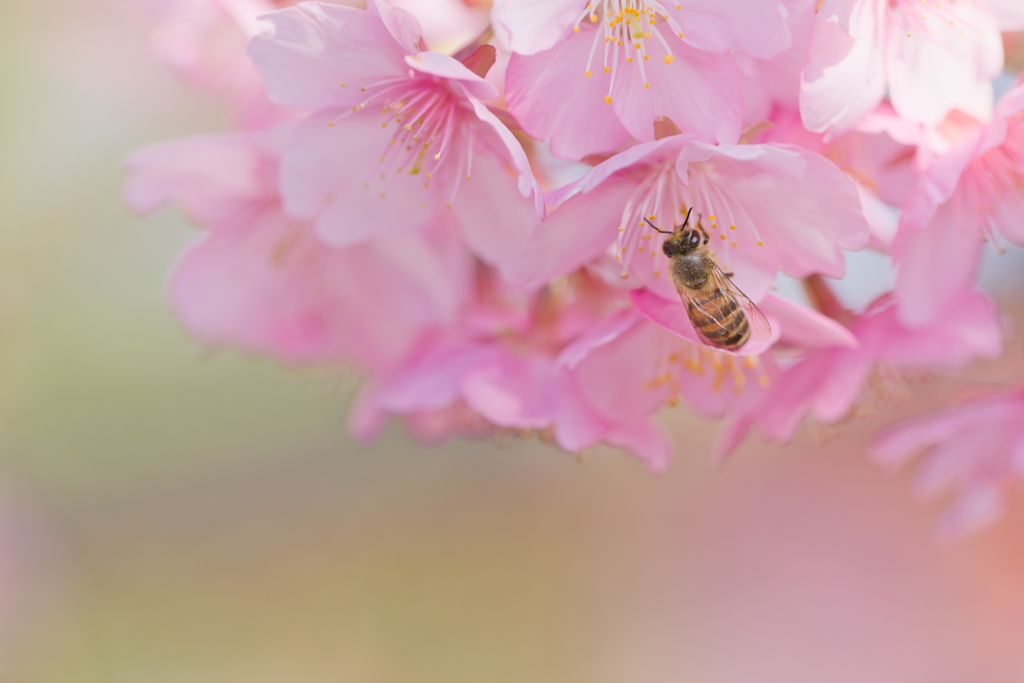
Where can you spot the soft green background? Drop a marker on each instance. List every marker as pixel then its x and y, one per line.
pixel 185 517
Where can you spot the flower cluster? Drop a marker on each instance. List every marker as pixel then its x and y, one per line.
pixel 560 217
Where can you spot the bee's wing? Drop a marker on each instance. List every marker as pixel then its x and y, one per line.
pixel 760 328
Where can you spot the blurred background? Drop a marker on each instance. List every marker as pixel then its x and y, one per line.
pixel 168 515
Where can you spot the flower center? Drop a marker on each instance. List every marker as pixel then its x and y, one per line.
pixel 627 24
pixel 426 118
pixel 662 199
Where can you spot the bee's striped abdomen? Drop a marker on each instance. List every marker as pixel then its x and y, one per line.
pixel 719 320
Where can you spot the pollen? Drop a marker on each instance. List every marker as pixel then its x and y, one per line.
pixel 712 218
pixel 608 99
pixel 732 227
pixel 667 59
pixel 576 29
pixel 588 74
pixel 647 86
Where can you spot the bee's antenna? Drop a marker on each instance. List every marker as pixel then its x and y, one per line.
pixel 664 232
pixel 688 212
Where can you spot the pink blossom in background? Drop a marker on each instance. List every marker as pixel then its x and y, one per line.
pixel 969 195
pixel 975 450
pixel 617 65
pixel 399 138
pixel 263 281
pixel 831 382
pixel 518 363
pixel 930 58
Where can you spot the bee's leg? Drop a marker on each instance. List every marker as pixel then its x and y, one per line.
pixel 729 275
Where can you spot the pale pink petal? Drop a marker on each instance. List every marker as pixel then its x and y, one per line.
pixel 804 327
pixel 577 425
pixel 672 316
pixel 512 390
pixel 603 332
pixel 577 121
pixel 503 143
pixel 896 445
pixel 529 26
pixel 730 436
pixel 648 441
pixel 780 195
pixel 645 153
pixel 434 379
pixel 1009 14
pixel 702 92
pixel 936 264
pixel 573 235
pixel 949 67
pixel 306 52
pixel 324 175
pixel 497 237
pixel 211 178
pixel 757 27
pixel 444 66
pixel 401 24
pixel 844 75
pixel 968 327
pixel 617 378
pixel 974 509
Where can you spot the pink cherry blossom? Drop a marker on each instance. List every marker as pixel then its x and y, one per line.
pixel 830 383
pixel 589 76
pixel 975 449
pixel 969 195
pixel 535 362
pixel 930 58
pixel 398 138
pixel 761 204
pixel 263 282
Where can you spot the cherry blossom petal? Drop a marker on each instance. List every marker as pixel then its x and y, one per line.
pixel 401 24
pixel 702 92
pixel 844 75
pixel 577 121
pixel 936 264
pixel 324 177
pixel 444 66
pixel 804 327
pixel 950 67
pixel 756 27
pixel 530 26
pixel 575 234
pixel 648 440
pixel 306 52
pixel 496 220
pixel 781 193
pixel 211 178
pixel 512 390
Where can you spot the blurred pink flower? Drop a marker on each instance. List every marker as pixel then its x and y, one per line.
pixel 519 362
pixel 830 383
pixel 761 204
pixel 655 59
pixel 976 449
pixel 204 41
pixel 930 58
pixel 263 281
pixel 969 195
pixel 399 137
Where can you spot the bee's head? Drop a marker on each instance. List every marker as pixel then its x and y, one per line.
pixel 682 242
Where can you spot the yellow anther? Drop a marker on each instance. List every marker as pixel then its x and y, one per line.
pixel 608 99
pixel 576 29
pixel 667 59
pixel 712 218
pixel 647 86
pixel 732 227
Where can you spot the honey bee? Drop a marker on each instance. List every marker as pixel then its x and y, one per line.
pixel 722 315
